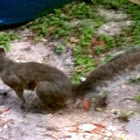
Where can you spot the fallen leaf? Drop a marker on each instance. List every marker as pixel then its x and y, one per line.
pixel 5 110
pixel 99 125
pixel 53 128
pixel 73 129
pixel 94 42
pixel 97 130
pixel 30 38
pixel 86 103
pixel 102 43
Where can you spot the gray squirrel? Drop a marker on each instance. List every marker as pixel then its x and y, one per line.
pixel 52 86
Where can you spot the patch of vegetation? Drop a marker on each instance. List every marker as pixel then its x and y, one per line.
pixel 135 79
pixel 6 38
pixel 132 33
pixel 115 4
pixel 106 92
pixel 80 20
pixel 68 21
pixel 124 40
pixel 137 98
pixel 83 52
pixel 59 49
pixel 107 58
pixel 109 43
pixel 84 61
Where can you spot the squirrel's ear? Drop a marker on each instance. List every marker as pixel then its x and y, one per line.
pixel 2 51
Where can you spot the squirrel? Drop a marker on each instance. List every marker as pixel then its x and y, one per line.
pixel 52 86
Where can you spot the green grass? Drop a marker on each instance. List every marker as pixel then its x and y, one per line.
pixel 59 23
pixel 137 98
pixel 130 8
pixel 59 49
pixel 6 38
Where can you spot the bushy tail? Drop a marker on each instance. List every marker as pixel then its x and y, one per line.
pixel 120 63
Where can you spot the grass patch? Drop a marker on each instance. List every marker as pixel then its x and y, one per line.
pixel 137 98
pixel 130 8
pixel 60 23
pixel 6 38
pixel 59 49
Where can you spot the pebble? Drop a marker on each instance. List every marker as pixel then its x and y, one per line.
pixel 87 127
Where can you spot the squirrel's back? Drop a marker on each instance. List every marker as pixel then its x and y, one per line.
pixel 33 72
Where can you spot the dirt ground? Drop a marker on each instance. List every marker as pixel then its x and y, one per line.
pixel 67 124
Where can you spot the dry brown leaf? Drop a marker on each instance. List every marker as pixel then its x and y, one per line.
pixel 73 129
pixel 5 110
pixel 102 43
pixel 97 130
pixel 86 103
pixel 99 125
